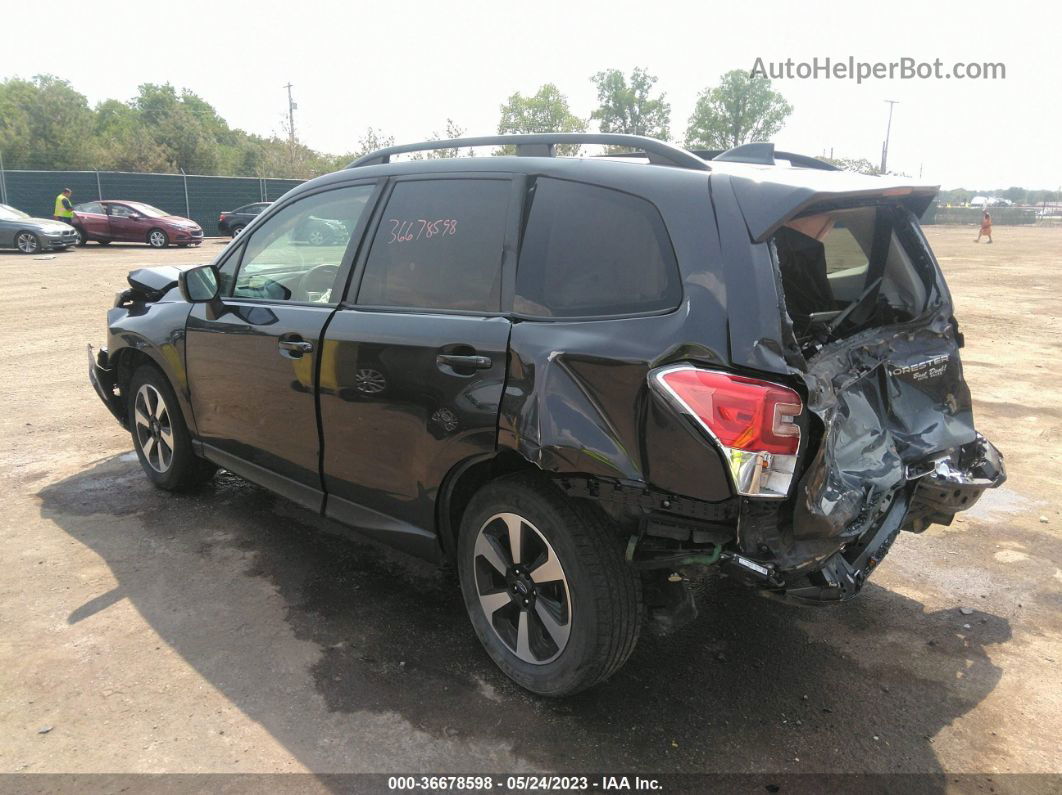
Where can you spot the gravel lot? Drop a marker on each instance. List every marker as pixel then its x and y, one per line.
pixel 225 632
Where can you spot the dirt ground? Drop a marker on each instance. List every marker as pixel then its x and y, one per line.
pixel 225 632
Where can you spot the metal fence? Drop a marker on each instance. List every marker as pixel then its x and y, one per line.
pixel 197 197
pixel 203 198
pixel 1001 216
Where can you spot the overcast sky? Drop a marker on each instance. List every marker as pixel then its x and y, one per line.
pixel 404 67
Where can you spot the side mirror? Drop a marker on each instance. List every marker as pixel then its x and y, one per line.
pixel 199 285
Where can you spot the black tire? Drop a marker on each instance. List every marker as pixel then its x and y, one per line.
pixel 236 230
pixel 104 242
pixel 183 470
pixel 157 238
pixel 81 239
pixel 603 593
pixel 27 242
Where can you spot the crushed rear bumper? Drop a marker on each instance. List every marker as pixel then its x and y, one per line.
pixel 949 485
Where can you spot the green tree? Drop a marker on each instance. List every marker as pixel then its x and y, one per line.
pixel 45 124
pixel 184 125
pixel 626 106
pixel 860 165
pixel 122 143
pixel 453 130
pixel 546 111
pixel 1015 194
pixel 741 109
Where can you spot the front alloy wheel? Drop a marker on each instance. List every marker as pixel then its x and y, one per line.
pixel 154 429
pixel 522 588
pixel 316 238
pixel 160 435
pixel 158 239
pixel 369 381
pixel 27 243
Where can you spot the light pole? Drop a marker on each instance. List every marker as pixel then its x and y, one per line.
pixel 888 129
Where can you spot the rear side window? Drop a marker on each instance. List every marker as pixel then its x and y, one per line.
pixel 592 252
pixel 439 246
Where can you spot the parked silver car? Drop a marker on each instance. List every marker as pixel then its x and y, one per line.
pixel 31 235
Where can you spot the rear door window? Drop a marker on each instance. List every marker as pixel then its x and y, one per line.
pixel 589 251
pixel 439 246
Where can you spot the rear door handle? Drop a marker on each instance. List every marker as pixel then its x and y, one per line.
pixel 295 348
pixel 459 362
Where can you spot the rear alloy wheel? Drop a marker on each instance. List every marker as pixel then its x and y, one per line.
pixel 316 237
pixel 546 586
pixel 158 239
pixel 160 436
pixel 236 230
pixel 27 243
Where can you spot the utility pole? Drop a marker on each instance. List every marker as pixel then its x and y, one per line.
pixel 888 129
pixel 291 120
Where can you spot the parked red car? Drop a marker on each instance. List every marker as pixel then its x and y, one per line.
pixel 133 222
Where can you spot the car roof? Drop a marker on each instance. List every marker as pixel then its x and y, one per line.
pixel 768 193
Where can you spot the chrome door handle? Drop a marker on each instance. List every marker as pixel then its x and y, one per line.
pixel 294 348
pixel 464 362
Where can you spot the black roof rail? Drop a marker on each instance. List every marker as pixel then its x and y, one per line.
pixel 541 145
pixel 764 154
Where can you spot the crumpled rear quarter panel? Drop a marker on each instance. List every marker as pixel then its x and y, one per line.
pixel 577 401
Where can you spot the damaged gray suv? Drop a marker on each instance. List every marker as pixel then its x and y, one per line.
pixel 575 378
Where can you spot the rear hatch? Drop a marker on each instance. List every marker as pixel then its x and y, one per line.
pixel 867 330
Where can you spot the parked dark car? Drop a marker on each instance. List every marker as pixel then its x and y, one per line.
pixel 112 220
pixel 584 380
pixel 321 232
pixel 232 222
pixel 32 235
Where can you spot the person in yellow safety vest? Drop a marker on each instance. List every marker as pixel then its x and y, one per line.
pixel 64 210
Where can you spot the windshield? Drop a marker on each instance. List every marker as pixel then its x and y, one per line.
pixel 849 269
pixel 11 214
pixel 148 210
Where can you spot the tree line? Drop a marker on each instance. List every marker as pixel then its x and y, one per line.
pixel 960 197
pixel 45 123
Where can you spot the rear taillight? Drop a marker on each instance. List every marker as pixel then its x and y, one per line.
pixel 221 217
pixel 753 421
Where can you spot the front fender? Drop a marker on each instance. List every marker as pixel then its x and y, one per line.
pixel 155 331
